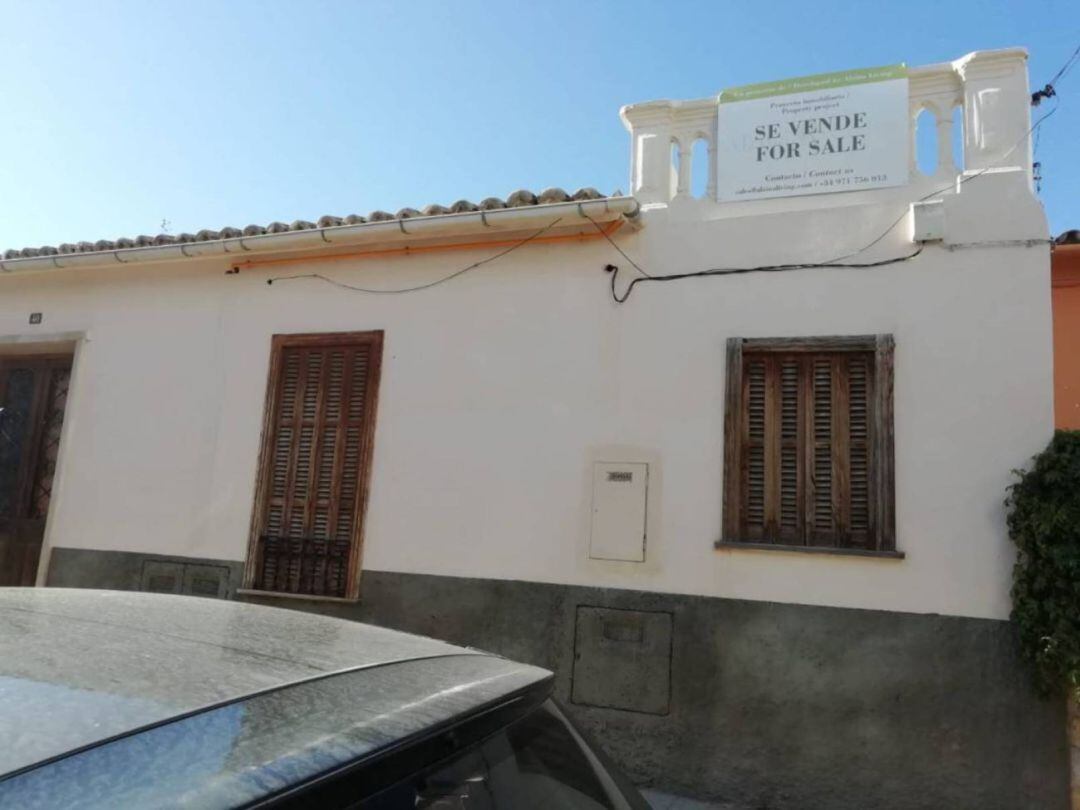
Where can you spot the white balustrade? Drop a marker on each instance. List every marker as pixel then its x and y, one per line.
pixel 990 87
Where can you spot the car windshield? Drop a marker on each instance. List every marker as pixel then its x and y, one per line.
pixel 247 750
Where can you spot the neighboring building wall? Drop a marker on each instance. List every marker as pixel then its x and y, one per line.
pixel 1066 296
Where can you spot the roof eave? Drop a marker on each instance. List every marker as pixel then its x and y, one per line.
pixel 393 232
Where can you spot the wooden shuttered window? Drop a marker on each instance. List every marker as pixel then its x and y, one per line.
pixel 315 464
pixel 808 443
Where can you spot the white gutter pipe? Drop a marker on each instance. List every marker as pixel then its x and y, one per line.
pixel 365 233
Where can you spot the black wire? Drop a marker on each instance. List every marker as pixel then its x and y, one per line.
pixel 430 284
pixel 828 264
pixel 622 253
pixel 1049 90
pixel 1069 64
pixel 734 271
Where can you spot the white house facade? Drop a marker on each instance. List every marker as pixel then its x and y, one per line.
pixel 753 520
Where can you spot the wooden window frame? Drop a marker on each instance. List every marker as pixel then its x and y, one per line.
pixel 882 464
pixel 278 344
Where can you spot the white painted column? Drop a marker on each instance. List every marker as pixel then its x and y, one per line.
pixel 946 166
pixel 650 158
pixel 997 110
pixel 686 161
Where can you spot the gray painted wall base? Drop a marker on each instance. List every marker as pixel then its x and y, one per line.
pixel 131 571
pixel 658 800
pixel 741 704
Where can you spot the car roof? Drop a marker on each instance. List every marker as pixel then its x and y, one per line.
pixel 78 667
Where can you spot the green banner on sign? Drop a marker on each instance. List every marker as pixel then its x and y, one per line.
pixel 808 84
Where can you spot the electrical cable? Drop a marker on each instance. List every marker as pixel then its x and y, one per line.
pixel 429 284
pixel 1050 89
pixel 1070 63
pixel 622 253
pixel 734 271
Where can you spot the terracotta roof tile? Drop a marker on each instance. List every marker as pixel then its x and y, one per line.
pixel 518 199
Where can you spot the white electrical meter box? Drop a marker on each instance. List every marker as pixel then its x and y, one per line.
pixel 620 492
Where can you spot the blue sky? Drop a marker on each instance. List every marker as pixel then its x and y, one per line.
pixel 118 115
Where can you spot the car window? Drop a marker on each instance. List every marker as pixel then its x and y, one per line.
pixel 538 762
pixel 252 750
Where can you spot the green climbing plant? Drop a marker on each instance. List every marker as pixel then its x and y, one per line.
pixel 1044 523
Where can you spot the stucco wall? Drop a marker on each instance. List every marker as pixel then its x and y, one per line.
pixel 498 390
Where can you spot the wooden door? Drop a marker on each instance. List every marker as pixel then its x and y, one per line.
pixel 316 464
pixel 33 394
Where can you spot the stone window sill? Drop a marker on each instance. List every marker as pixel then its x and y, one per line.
pixel 727 545
pixel 307 597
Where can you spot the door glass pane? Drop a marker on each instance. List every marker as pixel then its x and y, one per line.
pixel 48 449
pixel 14 427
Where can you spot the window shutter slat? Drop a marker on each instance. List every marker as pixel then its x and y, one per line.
pixel 318 423
pixel 290 381
pixel 733 438
pixel 821 502
pixel 840 453
pixel 859 404
pixel 357 393
pixel 756 402
pixel 772 447
pixel 294 465
pixel 335 385
pixel 341 385
pixel 754 449
pixel 883 506
pixel 790 528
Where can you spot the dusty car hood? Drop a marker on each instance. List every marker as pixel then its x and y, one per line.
pixel 80 666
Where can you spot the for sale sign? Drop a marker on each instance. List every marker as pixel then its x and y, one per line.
pixel 845 131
